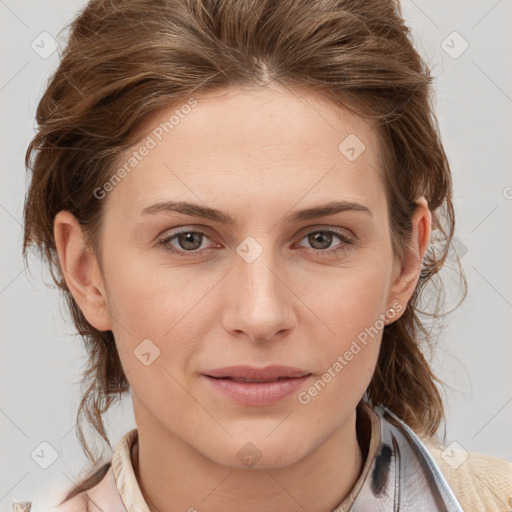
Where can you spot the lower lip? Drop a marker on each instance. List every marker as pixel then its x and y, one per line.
pixel 256 393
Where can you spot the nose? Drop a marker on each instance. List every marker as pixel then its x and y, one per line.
pixel 258 299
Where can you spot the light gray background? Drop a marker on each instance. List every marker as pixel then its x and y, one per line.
pixel 42 359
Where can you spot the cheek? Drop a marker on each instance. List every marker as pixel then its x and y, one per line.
pixel 352 299
pixel 353 316
pixel 348 353
pixel 162 304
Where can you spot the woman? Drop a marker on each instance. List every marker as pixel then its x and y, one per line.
pixel 243 203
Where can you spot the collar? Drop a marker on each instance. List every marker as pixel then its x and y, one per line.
pixel 399 474
pixel 403 476
pixel 124 473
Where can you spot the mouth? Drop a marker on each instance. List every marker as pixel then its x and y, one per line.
pixel 258 381
pixel 252 386
pixel 245 373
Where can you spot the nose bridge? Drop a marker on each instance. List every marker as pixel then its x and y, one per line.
pixel 257 272
pixel 260 300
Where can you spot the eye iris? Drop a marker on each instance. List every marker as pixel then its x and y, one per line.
pixel 187 238
pixel 321 236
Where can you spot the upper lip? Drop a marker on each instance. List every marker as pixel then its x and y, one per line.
pixel 251 372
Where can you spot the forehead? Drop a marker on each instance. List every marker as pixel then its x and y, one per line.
pixel 251 145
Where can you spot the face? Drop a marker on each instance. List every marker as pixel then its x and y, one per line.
pixel 283 257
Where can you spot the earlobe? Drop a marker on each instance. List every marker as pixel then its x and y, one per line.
pixel 409 271
pixel 80 269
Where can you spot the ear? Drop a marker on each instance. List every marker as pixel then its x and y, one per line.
pixel 80 269
pixel 406 274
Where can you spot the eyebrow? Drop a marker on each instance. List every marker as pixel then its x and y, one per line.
pixel 196 210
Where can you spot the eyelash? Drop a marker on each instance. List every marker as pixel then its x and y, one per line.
pixel 344 246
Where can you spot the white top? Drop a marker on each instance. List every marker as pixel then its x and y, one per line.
pixel 480 483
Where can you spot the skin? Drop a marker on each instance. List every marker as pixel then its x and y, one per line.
pixel 257 154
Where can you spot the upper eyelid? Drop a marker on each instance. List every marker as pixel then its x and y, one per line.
pixel 344 237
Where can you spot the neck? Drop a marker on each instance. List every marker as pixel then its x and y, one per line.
pixel 174 476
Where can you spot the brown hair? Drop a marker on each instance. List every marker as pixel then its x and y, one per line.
pixel 127 59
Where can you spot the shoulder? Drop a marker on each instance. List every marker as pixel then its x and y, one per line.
pixel 99 497
pixel 480 482
pixel 53 502
pixel 76 504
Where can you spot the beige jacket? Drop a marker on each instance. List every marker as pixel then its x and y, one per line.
pixel 481 483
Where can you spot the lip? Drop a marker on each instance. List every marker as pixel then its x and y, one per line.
pixel 277 383
pixel 252 372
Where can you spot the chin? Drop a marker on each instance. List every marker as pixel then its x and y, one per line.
pixel 257 452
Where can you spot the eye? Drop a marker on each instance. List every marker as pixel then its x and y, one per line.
pixel 322 240
pixel 189 243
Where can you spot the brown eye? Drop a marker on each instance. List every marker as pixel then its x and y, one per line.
pixel 185 243
pixel 321 241
pixel 189 240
